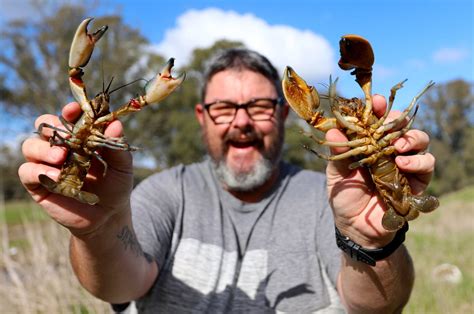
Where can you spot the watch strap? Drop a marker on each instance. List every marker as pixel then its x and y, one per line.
pixel 370 256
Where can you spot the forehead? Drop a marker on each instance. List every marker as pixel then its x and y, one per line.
pixel 239 85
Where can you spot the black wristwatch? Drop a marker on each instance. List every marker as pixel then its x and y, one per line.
pixel 370 256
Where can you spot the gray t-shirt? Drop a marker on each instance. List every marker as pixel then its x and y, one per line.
pixel 217 254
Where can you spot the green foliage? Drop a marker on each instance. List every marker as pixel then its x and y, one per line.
pixel 296 138
pixel 10 184
pixel 201 55
pixel 447 114
pixel 18 211
pixel 293 149
pixel 35 54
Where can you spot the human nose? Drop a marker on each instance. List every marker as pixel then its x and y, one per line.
pixel 242 117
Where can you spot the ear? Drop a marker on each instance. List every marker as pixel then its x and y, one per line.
pixel 199 113
pixel 285 110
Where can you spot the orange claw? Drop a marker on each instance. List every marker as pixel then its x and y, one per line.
pixel 304 100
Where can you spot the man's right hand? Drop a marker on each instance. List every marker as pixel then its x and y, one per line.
pixel 114 189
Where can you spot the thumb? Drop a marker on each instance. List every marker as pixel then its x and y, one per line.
pixel 117 159
pixel 114 129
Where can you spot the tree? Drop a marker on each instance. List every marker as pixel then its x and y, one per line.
pixel 447 114
pixel 34 63
pixel 35 59
pixel 9 185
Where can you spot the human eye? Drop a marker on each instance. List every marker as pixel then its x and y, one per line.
pixel 223 108
pixel 262 105
pixel 261 109
pixel 222 111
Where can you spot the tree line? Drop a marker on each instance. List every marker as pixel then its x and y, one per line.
pixel 33 81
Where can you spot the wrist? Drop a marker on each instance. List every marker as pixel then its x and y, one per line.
pixel 369 255
pixel 368 236
pixel 105 228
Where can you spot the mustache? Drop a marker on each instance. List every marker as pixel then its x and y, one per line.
pixel 238 135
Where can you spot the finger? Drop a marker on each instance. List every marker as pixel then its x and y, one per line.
pixel 116 159
pixel 338 168
pixel 37 150
pixel 29 173
pixel 114 129
pixel 413 140
pixel 335 135
pixel 71 111
pixel 47 119
pixel 416 164
pixel 379 105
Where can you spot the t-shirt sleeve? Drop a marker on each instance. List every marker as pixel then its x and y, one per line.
pixel 155 206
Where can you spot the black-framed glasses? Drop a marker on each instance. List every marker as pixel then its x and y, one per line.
pixel 258 109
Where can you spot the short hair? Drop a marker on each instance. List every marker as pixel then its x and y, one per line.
pixel 240 59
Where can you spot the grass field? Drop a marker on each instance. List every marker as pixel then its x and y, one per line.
pixel 444 236
pixel 35 276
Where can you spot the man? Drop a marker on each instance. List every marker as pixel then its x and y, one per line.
pixel 240 232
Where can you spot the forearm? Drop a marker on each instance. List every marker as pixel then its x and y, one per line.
pixel 384 288
pixel 111 264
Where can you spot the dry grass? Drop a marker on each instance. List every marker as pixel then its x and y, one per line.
pixel 35 275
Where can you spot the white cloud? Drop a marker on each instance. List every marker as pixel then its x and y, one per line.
pixel 449 55
pixel 308 53
pixel 416 64
pixel 383 72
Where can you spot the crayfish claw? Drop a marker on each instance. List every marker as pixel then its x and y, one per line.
pixel 163 84
pixel 83 44
pixel 303 98
pixel 356 53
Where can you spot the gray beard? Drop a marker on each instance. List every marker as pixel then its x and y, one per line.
pixel 244 182
pixel 257 176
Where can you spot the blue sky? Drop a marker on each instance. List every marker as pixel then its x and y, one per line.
pixel 414 39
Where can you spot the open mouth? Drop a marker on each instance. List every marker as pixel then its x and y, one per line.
pixel 243 144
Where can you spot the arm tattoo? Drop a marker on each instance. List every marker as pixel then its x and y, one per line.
pixel 130 242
